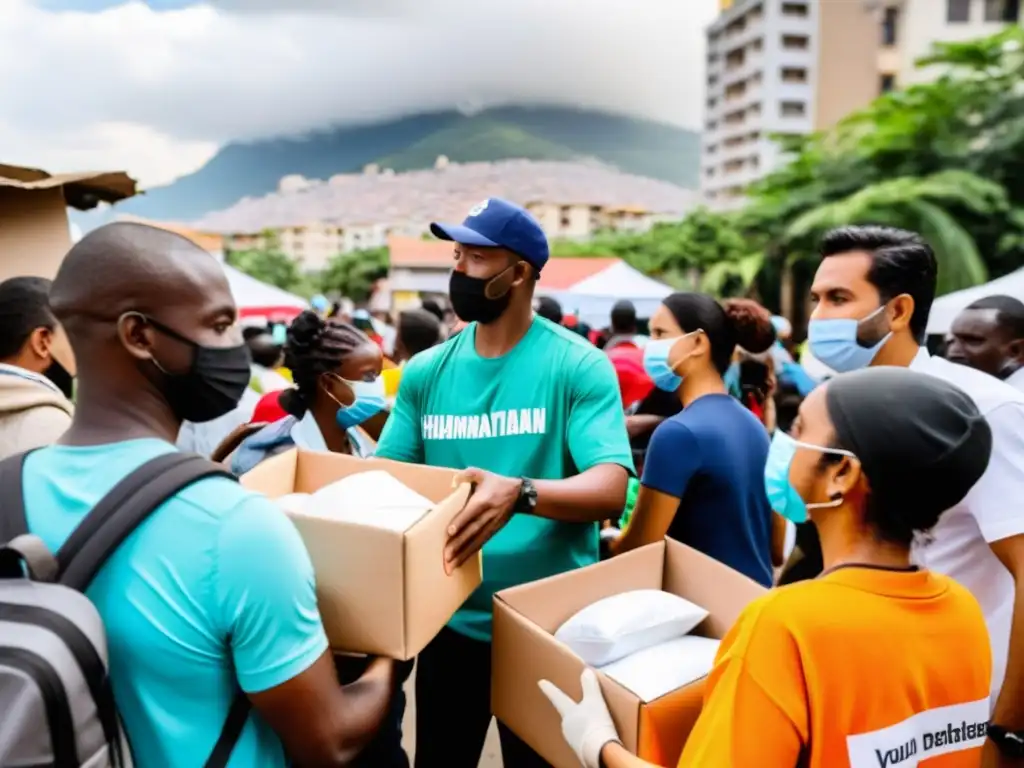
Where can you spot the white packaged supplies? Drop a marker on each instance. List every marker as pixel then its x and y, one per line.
pixel 295 503
pixel 660 669
pixel 617 626
pixel 372 498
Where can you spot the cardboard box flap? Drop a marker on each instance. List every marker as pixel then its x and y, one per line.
pixel 274 477
pixel 705 581
pixel 82 190
pixel 551 602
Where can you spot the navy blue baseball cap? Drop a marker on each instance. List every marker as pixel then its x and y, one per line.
pixel 497 223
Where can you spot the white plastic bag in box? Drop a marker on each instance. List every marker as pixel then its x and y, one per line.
pixel 660 669
pixel 617 626
pixel 294 502
pixel 372 498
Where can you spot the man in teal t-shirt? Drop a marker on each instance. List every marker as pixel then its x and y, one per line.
pixel 532 412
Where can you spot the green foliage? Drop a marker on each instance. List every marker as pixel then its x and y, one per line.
pixel 944 158
pixel 353 274
pixel 268 264
pixel 678 253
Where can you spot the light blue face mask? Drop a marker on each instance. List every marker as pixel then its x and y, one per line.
pixel 781 494
pixel 834 342
pixel 279 333
pixel 656 364
pixel 370 401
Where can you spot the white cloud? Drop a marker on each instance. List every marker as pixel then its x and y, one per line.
pixel 156 93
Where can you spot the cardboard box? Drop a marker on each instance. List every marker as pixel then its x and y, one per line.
pixel 380 591
pixel 525 650
pixel 34 231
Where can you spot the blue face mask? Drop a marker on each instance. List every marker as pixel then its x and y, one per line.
pixel 781 494
pixel 834 342
pixel 369 402
pixel 279 333
pixel 656 353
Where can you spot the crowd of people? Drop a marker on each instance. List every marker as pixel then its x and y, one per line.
pixel 880 506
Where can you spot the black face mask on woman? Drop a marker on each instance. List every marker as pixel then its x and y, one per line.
pixel 213 384
pixel 470 300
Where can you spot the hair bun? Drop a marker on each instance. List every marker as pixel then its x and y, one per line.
pixel 305 329
pixel 751 323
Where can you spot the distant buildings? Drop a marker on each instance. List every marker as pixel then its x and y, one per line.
pixel 779 67
pixel 909 27
pixel 797 66
pixel 313 220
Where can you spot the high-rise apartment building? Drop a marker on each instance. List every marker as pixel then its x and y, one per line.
pixel 780 67
pixel 795 66
pixel 909 27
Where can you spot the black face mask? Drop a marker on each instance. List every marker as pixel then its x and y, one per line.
pixel 63 380
pixel 470 300
pixel 213 384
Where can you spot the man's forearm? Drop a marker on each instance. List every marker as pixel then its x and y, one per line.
pixel 1009 711
pixel 594 495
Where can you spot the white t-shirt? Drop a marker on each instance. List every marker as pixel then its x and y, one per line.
pixel 1016 379
pixel 992 510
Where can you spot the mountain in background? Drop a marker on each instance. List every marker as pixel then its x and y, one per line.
pixel 253 169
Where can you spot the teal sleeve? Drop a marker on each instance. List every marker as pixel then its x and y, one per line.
pixel 401 439
pixel 267 596
pixel 597 422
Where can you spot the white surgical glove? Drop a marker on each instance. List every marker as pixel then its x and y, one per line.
pixel 586 726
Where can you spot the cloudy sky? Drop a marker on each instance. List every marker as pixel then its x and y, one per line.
pixel 156 87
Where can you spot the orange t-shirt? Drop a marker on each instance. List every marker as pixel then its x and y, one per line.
pixel 862 668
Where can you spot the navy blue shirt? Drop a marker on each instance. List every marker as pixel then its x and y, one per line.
pixel 711 457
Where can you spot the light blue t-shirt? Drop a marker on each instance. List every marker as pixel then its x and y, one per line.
pixel 214 590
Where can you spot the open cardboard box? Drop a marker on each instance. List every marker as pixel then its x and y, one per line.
pixel 380 591
pixel 34 230
pixel 525 650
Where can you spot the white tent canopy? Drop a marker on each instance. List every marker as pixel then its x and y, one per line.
pixel 946 308
pixel 592 298
pixel 255 298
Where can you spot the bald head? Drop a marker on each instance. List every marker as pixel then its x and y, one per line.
pixel 148 312
pixel 128 267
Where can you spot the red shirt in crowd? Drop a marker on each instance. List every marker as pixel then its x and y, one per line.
pixel 634 383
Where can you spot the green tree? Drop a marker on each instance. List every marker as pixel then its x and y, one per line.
pixel 922 205
pixel 268 264
pixel 704 250
pixel 945 158
pixel 353 274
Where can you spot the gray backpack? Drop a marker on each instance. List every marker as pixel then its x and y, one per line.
pixel 57 706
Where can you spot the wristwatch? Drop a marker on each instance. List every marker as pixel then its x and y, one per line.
pixel 1010 743
pixel 527 501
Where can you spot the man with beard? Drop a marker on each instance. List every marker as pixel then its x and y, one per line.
pixel 531 413
pixel 872 294
pixel 36 368
pixel 989 335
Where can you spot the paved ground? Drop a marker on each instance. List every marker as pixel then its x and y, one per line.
pixel 491 757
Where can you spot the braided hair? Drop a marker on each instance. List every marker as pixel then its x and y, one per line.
pixel 314 347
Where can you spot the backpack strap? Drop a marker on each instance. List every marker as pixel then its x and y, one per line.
pixel 231 732
pixel 29 550
pixel 13 522
pixel 121 511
